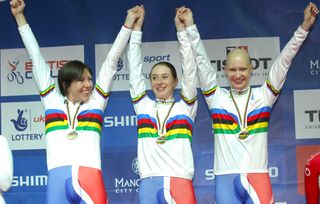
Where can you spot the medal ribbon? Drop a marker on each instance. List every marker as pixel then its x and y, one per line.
pixel 159 124
pixel 244 123
pixel 75 114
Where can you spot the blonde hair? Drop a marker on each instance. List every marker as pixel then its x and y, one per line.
pixel 238 53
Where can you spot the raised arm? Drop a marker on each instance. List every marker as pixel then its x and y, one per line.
pixel 41 70
pixel 109 66
pixel 278 71
pixel 136 83
pixel 207 74
pixel 6 170
pixel 310 14
pixel 189 67
pixel 17 9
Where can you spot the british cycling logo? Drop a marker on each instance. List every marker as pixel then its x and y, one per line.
pixel 21 123
pixel 14 76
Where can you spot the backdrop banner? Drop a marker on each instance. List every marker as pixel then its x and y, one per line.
pixel 85 30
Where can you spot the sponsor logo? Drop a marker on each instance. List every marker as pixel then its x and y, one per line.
pixel 121 77
pixel 54 66
pixel 307 171
pixel 19 77
pixel 128 185
pixel 22 137
pixel 14 76
pixel 34 180
pixel 273 173
pixel 261 63
pixel 307 113
pixel 242 47
pixel 156 58
pixel 265 51
pixel 209 173
pixel 146 59
pixel 17 68
pixel 120 64
pixel 314 115
pixel 20 123
pixel 314 67
pixel 135 166
pixel 313 119
pixel 120 121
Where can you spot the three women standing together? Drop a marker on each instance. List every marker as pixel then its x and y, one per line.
pixel 240 117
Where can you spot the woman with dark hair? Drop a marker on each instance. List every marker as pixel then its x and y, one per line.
pixel 73 116
pixel 71 71
pixel 164 125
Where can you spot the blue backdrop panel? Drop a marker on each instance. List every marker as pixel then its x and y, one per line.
pixel 121 174
pixel 30 177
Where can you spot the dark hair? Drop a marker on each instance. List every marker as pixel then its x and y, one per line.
pixel 73 70
pixel 170 66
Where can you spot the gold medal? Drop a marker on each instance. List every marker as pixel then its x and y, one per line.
pixel 243 134
pixel 161 139
pixel 162 132
pixel 72 135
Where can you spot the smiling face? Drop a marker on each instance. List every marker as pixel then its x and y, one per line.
pixel 238 69
pixel 75 81
pixel 80 90
pixel 163 82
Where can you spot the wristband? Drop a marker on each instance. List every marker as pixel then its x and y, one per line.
pixel 126 26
